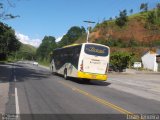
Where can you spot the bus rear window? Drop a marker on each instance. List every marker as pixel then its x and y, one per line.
pixel 96 50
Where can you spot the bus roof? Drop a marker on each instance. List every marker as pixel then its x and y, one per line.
pixel 72 45
pixel 81 44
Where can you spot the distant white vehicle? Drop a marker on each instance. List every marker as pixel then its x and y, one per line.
pixel 35 63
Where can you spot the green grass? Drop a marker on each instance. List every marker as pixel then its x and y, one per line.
pixel 3 62
pixel 44 63
pixel 8 61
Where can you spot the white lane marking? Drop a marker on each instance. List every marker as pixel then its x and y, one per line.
pixel 16 97
pixel 17 103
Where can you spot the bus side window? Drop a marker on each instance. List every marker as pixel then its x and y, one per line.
pixel 76 57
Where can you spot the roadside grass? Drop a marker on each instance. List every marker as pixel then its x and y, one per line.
pixel 44 63
pixel 7 61
pixel 3 62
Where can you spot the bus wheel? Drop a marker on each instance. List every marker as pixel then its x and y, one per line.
pixel 65 74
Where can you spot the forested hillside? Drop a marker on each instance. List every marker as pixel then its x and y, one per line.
pixel 9 44
pixel 26 52
pixel 128 35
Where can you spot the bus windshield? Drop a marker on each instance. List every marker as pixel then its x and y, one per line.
pixel 96 50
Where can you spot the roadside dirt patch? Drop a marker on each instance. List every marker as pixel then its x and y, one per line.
pixel 4 88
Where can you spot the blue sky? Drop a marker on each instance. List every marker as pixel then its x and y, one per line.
pixel 54 17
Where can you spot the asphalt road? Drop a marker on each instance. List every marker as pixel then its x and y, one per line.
pixel 37 94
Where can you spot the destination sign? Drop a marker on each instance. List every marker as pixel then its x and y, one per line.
pixel 96 50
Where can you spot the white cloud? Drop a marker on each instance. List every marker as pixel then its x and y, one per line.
pixel 26 40
pixel 59 39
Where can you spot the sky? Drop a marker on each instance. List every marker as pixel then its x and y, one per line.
pixel 39 18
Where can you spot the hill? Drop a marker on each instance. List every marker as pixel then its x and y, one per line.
pixel 137 28
pixel 27 48
pixel 140 33
pixel 26 52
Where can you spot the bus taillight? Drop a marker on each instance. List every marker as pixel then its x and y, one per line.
pixel 81 66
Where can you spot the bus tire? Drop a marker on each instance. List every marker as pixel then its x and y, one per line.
pixel 65 74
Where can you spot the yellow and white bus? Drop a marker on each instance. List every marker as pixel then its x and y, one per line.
pixel 86 60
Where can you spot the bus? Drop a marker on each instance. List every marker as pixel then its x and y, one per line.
pixel 88 61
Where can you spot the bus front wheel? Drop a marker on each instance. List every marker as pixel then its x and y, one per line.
pixel 65 74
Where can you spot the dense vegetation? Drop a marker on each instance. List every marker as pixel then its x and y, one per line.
pixel 72 35
pixel 26 52
pixel 122 19
pixel 9 44
pixel 121 60
pixel 45 49
pixel 11 48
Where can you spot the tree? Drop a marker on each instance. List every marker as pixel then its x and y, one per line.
pixel 122 19
pixel 144 7
pixel 110 19
pixel 131 11
pixel 151 17
pixel 26 52
pixel 121 60
pixel 73 34
pixel 3 14
pixel 8 41
pixel 46 47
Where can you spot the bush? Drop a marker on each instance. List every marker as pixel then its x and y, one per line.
pixel 121 60
pixel 119 43
pixel 156 43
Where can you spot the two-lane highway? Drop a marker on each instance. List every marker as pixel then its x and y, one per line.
pixel 37 91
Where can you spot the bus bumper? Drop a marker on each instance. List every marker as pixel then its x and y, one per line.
pixel 92 76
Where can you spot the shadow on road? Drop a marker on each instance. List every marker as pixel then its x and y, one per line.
pixel 86 81
pixel 24 74
pixel 89 82
pixel 21 72
pixel 5 73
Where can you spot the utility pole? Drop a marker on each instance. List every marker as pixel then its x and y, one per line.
pixel 89 25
